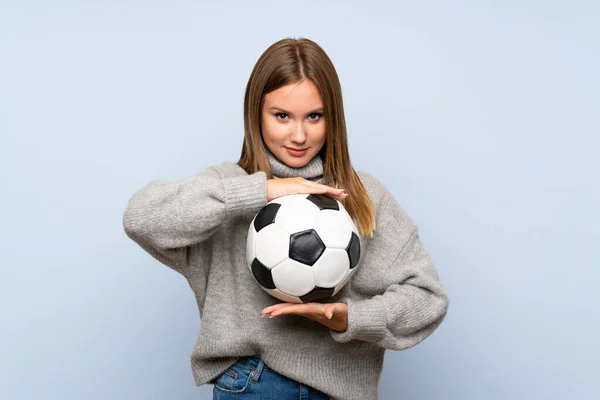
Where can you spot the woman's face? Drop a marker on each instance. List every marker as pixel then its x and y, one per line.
pixel 292 119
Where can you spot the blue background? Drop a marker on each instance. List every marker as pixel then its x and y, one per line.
pixel 480 116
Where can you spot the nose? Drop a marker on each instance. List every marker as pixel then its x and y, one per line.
pixel 298 135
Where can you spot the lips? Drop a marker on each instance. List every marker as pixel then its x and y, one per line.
pixel 296 152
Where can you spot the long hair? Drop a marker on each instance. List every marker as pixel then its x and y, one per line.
pixel 292 60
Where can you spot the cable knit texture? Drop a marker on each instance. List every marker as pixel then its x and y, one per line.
pixel 198 227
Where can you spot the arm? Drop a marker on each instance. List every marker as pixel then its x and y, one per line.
pixel 164 217
pixel 409 301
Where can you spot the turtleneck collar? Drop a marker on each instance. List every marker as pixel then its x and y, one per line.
pixel 311 171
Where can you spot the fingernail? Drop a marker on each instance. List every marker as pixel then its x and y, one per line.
pixel 264 315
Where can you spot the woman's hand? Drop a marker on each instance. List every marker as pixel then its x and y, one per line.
pixel 332 315
pixel 284 186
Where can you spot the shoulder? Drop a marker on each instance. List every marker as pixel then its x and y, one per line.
pixel 376 188
pixel 226 169
pixel 388 210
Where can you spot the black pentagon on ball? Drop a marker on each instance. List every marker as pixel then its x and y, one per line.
pixel 306 247
pixel 324 202
pixel 266 216
pixel 262 274
pixel 318 293
pixel 353 250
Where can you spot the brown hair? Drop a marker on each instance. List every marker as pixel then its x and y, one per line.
pixel 291 60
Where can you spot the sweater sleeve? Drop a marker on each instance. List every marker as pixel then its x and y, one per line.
pixel 166 217
pixel 408 299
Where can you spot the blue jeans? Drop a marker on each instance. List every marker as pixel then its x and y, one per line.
pixel 251 379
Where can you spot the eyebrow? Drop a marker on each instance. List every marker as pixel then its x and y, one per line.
pixel 320 109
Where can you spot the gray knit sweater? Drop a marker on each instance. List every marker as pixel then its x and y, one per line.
pixel 198 227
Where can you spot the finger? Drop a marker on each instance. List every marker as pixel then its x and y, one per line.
pixel 320 188
pixel 329 311
pixel 309 188
pixel 307 308
pixel 332 309
pixel 340 196
pixel 336 192
pixel 268 310
pixel 278 306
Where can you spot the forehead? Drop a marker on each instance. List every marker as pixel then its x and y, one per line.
pixel 295 96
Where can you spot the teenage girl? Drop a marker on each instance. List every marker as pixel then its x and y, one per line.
pixel 294 142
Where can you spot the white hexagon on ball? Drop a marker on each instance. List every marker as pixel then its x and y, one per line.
pixel 272 245
pixel 293 278
pixel 334 228
pixel 331 268
pixel 297 215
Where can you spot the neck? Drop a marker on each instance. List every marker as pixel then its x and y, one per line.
pixel 311 171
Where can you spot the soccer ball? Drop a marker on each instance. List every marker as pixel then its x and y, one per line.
pixel 303 247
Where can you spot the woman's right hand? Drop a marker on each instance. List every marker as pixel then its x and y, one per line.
pixel 285 186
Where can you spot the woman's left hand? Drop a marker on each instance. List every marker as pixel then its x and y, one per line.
pixel 332 315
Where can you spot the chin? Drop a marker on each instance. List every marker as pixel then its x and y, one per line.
pixel 296 162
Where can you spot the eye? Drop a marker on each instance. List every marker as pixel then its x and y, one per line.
pixel 317 114
pixel 278 114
